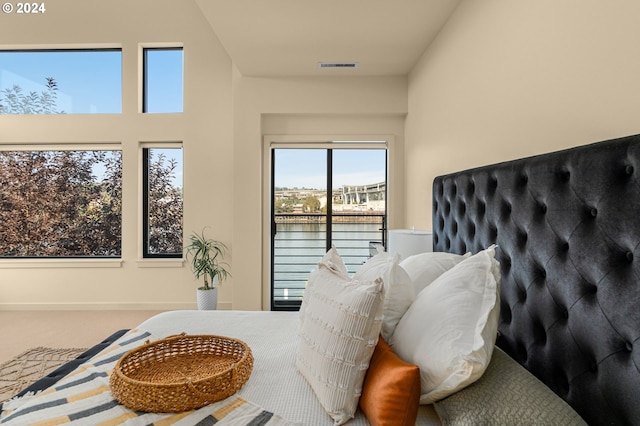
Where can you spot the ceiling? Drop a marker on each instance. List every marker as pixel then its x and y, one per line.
pixel 290 37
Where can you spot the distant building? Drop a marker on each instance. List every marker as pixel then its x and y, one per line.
pixel 348 198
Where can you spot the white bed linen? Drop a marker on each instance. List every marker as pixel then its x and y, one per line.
pixel 275 383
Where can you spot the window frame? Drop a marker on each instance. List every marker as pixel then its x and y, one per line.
pixel 107 48
pixel 271 145
pixel 144 49
pixel 144 154
pixel 65 261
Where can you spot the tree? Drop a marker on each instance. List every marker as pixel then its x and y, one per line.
pixel 165 207
pixel 53 203
pixel 15 101
pixel 311 205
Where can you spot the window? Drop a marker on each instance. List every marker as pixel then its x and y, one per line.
pixel 61 81
pixel 162 82
pixel 60 203
pixel 323 198
pixel 162 202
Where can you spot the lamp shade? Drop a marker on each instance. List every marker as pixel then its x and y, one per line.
pixel 407 242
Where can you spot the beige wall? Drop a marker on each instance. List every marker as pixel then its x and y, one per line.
pixel 295 106
pixel 504 79
pixel 507 79
pixel 225 116
pixel 205 128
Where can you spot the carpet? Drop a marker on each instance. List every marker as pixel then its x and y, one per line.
pixel 30 366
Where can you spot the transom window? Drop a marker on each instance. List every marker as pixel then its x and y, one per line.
pixel 162 80
pixel 87 81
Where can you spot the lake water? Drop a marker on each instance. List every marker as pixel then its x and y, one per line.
pixel 300 246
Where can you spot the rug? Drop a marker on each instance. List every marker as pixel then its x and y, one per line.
pixel 30 366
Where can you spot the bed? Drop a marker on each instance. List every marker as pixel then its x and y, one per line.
pixel 563 228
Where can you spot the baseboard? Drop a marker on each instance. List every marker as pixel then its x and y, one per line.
pixel 105 306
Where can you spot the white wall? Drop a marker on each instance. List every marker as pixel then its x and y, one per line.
pixel 507 79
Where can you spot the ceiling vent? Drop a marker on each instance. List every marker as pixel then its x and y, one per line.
pixel 349 65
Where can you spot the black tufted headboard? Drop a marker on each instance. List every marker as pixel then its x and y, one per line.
pixel 567 226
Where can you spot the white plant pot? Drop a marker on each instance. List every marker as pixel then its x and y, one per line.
pixel 207 299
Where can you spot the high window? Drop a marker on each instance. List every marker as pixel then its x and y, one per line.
pixel 162 202
pixel 162 80
pixel 60 202
pixel 61 81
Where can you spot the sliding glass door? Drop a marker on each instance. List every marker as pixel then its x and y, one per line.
pixel 323 197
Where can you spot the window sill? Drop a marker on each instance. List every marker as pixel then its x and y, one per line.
pixel 59 263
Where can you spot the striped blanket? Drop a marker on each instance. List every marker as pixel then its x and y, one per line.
pixel 84 398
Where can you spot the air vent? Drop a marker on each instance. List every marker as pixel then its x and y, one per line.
pixel 337 65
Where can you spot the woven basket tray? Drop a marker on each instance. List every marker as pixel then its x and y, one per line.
pixel 181 373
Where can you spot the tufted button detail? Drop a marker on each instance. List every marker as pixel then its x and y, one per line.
pixel 471 188
pixel 542 207
pixel 506 209
pixel 462 208
pixel 505 263
pixel 593 367
pixel 564 313
pixel 542 272
pixel 522 238
pixel 629 256
pixel 471 230
pixel 592 289
pixel 523 296
pixel 524 179
pixel 492 184
pixel 593 211
pixel 629 346
pixel 629 170
pixel 565 175
pixel 493 233
pixel 540 335
pixel 482 208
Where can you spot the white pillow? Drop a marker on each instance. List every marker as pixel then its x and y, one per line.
pixel 424 268
pixel 398 289
pixel 450 329
pixel 332 261
pixel 339 329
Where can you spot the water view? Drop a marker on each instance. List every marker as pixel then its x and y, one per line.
pixel 300 246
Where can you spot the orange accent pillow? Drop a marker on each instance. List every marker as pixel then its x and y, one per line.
pixel 391 389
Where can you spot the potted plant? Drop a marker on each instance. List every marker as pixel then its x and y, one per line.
pixel 205 256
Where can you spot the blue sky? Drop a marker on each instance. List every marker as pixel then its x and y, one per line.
pixel 90 82
pixel 306 168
